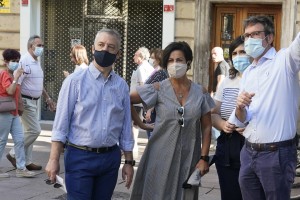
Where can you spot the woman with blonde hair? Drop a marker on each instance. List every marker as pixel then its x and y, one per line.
pixel 79 58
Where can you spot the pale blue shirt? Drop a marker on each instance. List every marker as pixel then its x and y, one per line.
pixel 273 112
pixel 94 111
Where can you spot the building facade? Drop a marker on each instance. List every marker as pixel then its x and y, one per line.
pixel 151 23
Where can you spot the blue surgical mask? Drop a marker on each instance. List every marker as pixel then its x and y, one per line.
pixel 12 66
pixel 38 51
pixel 151 61
pixel 240 63
pixel 254 47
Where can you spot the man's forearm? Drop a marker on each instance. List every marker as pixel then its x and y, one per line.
pixel 240 113
pixel 56 149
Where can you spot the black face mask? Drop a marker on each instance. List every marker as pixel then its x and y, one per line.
pixel 104 58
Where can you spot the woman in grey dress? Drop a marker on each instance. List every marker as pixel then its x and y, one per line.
pixel 182 121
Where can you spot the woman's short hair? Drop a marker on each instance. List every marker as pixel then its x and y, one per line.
pixel 158 53
pixel 181 46
pixel 10 54
pixel 78 52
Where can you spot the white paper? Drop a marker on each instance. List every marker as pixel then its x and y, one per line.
pixel 195 178
pixel 61 181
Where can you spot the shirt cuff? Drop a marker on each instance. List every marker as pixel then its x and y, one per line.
pixel 234 120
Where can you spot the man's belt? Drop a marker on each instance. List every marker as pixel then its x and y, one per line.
pixel 29 97
pixel 270 146
pixel 96 150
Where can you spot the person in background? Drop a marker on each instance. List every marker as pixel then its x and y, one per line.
pixel 31 82
pixel 268 104
pixel 231 140
pixel 159 74
pixel 94 122
pixel 175 148
pixel 221 69
pixel 138 77
pixel 79 57
pixel 10 121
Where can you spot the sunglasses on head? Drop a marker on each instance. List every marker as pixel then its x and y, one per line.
pixel 55 185
pixel 180 111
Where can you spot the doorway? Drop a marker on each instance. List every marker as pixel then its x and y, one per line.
pixel 227 24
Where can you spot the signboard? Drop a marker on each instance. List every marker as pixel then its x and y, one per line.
pixel 168 8
pixel 4 6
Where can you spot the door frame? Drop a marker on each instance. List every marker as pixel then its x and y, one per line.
pixel 203 28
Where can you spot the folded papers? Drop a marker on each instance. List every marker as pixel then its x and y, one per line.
pixel 61 181
pixel 195 178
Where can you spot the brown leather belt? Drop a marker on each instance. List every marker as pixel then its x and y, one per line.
pixel 270 146
pixel 96 150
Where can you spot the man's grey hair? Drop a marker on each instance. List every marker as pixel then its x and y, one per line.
pixel 144 53
pixel 31 41
pixel 112 32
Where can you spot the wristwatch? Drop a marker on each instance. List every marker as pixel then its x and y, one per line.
pixel 205 158
pixel 14 82
pixel 130 162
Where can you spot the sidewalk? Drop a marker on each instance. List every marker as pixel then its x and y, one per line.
pixel 36 189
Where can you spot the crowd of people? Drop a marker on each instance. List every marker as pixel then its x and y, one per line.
pixel 97 112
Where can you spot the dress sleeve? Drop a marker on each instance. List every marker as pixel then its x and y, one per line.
pixel 148 94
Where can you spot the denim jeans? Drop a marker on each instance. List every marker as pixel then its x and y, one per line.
pixel 91 175
pixel 12 124
pixel 31 125
pixel 267 175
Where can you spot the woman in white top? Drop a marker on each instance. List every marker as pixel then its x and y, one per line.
pixel 231 141
pixel 79 58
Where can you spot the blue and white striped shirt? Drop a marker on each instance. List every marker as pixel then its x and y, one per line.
pixel 94 111
pixel 227 94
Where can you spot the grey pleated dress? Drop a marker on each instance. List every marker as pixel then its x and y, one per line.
pixel 172 151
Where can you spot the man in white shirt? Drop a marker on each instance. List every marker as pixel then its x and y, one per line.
pixel 31 90
pixel 139 77
pixel 268 104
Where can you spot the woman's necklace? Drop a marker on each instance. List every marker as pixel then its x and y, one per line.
pixel 180 93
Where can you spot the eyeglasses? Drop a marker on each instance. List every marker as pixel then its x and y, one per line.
pixel 39 45
pixel 254 34
pixel 55 185
pixel 180 111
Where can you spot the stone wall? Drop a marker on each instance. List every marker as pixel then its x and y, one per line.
pixel 10 28
pixel 185 24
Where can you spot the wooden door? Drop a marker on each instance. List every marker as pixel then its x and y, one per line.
pixel 228 24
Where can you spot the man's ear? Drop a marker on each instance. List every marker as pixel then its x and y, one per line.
pixel 270 38
pixel 93 49
pixel 119 54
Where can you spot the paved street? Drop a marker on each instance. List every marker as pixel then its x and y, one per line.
pixel 36 189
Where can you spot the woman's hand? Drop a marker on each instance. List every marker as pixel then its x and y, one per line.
pixel 203 167
pixel 228 127
pixel 148 115
pixel 240 130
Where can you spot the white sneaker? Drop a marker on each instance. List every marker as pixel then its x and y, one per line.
pixel 4 174
pixel 24 173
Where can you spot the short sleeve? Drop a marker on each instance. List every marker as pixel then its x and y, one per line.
pixel 6 80
pixel 208 103
pixel 219 93
pixel 148 95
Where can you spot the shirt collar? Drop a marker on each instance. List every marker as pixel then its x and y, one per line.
pixel 96 73
pixel 269 55
pixel 31 58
